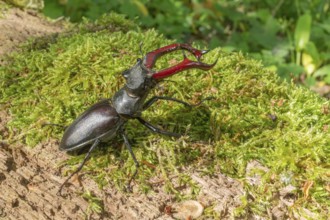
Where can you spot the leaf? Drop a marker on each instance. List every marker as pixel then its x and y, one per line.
pixel 323 71
pixel 327 79
pixel 311 50
pixel 281 49
pixel 142 8
pixel 302 31
pixel 53 9
pixel 285 70
pixel 307 62
pixel 325 25
pixel 310 81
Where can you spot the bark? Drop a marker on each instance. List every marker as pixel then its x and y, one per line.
pixel 18 25
pixel 29 181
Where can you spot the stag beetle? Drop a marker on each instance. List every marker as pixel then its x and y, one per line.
pixel 103 120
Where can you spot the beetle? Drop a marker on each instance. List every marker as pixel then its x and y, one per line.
pixel 107 118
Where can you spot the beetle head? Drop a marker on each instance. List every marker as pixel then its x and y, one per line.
pixel 140 78
pixel 137 79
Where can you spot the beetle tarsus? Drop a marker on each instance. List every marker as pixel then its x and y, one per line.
pixel 157 130
pixel 137 165
pixel 154 99
pixel 203 100
pixel 96 142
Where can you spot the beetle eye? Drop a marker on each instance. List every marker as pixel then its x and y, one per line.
pixel 125 73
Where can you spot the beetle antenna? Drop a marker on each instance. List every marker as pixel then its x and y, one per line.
pixel 141 52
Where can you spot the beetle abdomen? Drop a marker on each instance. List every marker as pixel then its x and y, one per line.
pixel 99 121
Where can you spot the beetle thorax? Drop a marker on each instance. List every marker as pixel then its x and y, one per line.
pixel 129 100
pixel 138 79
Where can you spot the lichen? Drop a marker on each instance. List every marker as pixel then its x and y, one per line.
pixel 253 116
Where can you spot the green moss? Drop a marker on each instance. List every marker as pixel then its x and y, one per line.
pixel 30 4
pixel 254 116
pixel 3 9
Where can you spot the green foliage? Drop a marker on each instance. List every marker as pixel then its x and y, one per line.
pixel 289 37
pixel 302 32
pixel 58 82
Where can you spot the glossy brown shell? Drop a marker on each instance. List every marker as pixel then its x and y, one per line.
pixel 100 121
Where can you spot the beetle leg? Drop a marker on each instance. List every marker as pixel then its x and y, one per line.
pixel 156 98
pixel 129 148
pixel 96 142
pixel 155 129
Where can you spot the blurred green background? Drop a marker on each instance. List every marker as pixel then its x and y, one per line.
pixel 290 37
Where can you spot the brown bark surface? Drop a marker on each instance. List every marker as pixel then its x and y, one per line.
pixel 17 26
pixel 29 181
pixel 30 178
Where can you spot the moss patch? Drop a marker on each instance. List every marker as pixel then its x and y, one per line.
pixel 254 116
